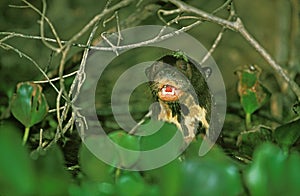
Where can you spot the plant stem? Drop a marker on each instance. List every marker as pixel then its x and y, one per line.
pixel 25 136
pixel 248 121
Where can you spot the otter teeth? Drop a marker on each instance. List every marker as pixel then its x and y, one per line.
pixel 167 90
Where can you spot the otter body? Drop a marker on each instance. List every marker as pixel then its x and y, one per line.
pixel 182 93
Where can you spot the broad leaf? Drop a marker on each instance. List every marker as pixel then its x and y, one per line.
pixel 252 93
pixel 17 174
pixel 29 104
pixel 127 142
pixel 273 172
pixel 286 135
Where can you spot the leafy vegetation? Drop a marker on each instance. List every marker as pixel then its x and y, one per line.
pixel 256 154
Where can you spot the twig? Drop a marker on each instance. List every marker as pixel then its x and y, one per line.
pixel 58 134
pixel 118 29
pixel 214 46
pixel 108 2
pixel 36 37
pixel 96 18
pixel 161 12
pixel 206 16
pixel 22 54
pixel 78 82
pixel 61 71
pixel 270 60
pixel 220 34
pixel 112 46
pixel 42 28
pixel 121 47
pixel 55 79
pixel 108 20
pixel 58 116
pixel 157 38
pixel 54 110
pixel 134 19
pixel 41 138
pixel 42 14
pixel 228 2
pixel 133 130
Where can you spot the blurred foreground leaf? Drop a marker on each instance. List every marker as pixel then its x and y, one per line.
pixel 53 178
pixel 94 169
pixel 128 147
pixel 273 172
pixel 88 188
pixel 131 184
pixel 212 174
pixel 168 178
pixel 160 136
pixel 17 175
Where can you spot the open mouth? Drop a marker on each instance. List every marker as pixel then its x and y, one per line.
pixel 169 93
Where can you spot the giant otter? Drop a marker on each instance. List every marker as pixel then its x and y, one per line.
pixel 181 90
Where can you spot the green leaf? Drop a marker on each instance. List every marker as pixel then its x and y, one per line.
pixel 212 174
pixel 286 135
pixel 130 184
pixel 168 178
pixel 249 102
pixel 158 138
pixel 181 55
pixel 17 175
pixel 252 93
pixel 95 169
pixel 249 79
pixel 107 189
pixel 88 188
pixel 53 178
pixel 273 172
pixel 29 104
pixel 129 142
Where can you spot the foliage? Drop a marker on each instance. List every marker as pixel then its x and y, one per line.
pixel 213 174
pixel 257 153
pixel 270 166
pixel 252 93
pixel 29 105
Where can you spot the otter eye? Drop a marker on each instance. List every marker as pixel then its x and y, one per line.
pixel 182 65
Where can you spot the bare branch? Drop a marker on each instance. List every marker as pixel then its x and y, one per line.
pixel 220 34
pixel 42 14
pixel 98 17
pixel 55 79
pixel 22 54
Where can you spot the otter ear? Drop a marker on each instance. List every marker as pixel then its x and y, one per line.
pixel 206 71
pixel 153 69
pixel 148 72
